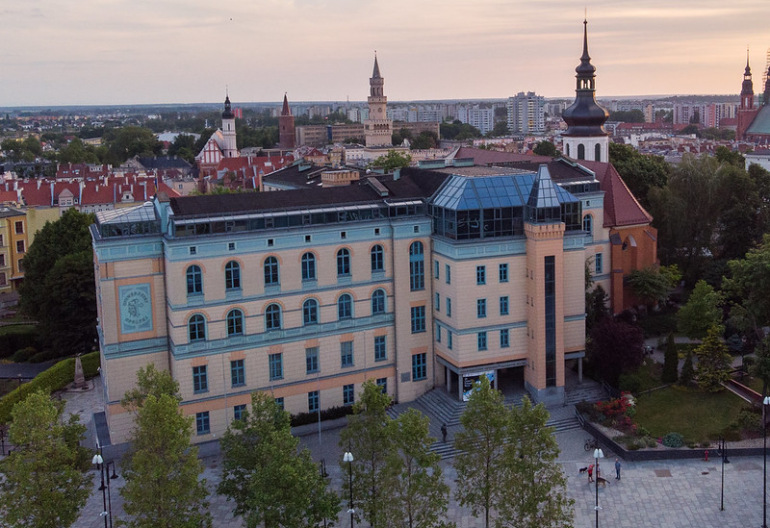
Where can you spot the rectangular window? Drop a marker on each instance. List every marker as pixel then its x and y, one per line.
pixel 449 339
pixel 19 227
pixel 3 279
pixel 481 338
pixel 505 339
pixel 1 241
pixel 419 367
pixel 503 272
pixel 202 423
pixel 200 379
pixel 504 305
pixel 380 348
pixel 437 302
pixel 312 401
pixel 449 307
pixel 481 275
pixel 550 320
pixel 239 412
pixel 436 267
pixel 382 383
pixel 346 354
pixel 481 308
pixel 448 273
pixel 311 360
pixel 238 373
pixel 279 402
pixel 19 246
pixel 276 366
pixel 599 264
pixel 348 394
pixel 418 319
pixel 438 333
pixel 2 259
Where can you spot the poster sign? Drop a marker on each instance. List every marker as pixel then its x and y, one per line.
pixel 470 379
pixel 135 308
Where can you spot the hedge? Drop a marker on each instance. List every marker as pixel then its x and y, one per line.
pixel 55 378
pixel 17 337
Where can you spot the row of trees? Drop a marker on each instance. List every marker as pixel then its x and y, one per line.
pixel 506 468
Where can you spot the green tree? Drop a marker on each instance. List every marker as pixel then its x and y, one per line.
pixel 713 361
pixel 367 438
pixel 392 160
pixel 652 285
pixel 500 129
pixel 41 483
pixel 77 152
pixel 425 140
pixel 59 289
pixel 670 361
pixel 615 348
pixel 641 172
pixel 184 147
pixel 480 463
pixel 534 490
pixel 420 495
pixel 272 483
pixel 150 381
pixel 688 371
pixel 126 142
pixel 163 487
pixel 733 157
pixel 748 289
pixel 701 312
pixel 545 148
pixel 459 131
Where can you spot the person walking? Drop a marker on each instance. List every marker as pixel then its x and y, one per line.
pixel 590 473
pixel 617 469
pixel 443 432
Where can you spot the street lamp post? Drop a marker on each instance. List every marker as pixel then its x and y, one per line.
pixel 348 457
pixel 99 462
pixel 765 403
pixel 597 455
pixel 722 453
pixel 105 487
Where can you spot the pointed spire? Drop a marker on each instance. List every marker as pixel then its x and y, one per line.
pixel 228 113
pixel 748 68
pixel 285 110
pixel 376 72
pixel 585 67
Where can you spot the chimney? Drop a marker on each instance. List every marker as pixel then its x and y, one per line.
pixel 396 174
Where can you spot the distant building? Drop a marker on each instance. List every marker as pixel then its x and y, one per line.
pixel 378 129
pixel 286 132
pixel 526 113
pixel 477 116
pixel 753 121
pixel 14 243
pixel 222 143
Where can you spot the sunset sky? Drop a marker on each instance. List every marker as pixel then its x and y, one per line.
pixel 60 52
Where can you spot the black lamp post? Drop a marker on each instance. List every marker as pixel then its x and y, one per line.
pixel 765 403
pixel 597 455
pixel 105 487
pixel 722 453
pixel 348 457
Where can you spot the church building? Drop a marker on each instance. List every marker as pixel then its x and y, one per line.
pixel 222 143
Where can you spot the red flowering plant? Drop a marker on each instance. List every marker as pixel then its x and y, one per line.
pixel 618 412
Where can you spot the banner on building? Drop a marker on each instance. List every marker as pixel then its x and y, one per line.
pixel 470 379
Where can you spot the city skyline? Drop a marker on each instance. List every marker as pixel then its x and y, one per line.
pixel 165 52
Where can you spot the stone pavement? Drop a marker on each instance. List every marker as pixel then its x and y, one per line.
pixel 679 493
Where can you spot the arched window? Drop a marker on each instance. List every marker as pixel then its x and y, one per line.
pixel 378 302
pixel 196 328
pixel 194 280
pixel 234 323
pixel 588 224
pixel 343 263
pixel 598 152
pixel 416 267
pixel 232 276
pixel 567 145
pixel 581 151
pixel 345 306
pixel 273 317
pixel 308 267
pixel 310 312
pixel 378 258
pixel 271 271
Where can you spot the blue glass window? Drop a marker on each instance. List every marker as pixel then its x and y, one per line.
pixel 239 412
pixel 196 328
pixel 308 267
pixel 273 317
pixel 378 258
pixel 481 337
pixel 271 271
pixel 419 367
pixel 234 323
pixel 481 308
pixel 505 341
pixel 310 312
pixel 502 272
pixel 311 360
pixel 194 280
pixel 380 348
pixel 348 394
pixel 200 379
pixel 343 263
pixel 232 276
pixel 378 302
pixel 346 354
pixel 202 423
pixel 504 305
pixel 416 267
pixel 275 364
pixel 418 319
pixel 481 275
pixel 345 306
pixel 238 373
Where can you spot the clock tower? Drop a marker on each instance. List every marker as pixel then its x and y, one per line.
pixel 378 129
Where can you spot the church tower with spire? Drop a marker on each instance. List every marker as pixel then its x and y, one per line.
pixel 378 129
pixel 747 88
pixel 286 132
pixel 230 146
pixel 585 137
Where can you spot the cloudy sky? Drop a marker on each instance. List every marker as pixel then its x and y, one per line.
pixel 57 52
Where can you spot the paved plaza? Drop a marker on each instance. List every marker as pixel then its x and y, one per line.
pixel 679 493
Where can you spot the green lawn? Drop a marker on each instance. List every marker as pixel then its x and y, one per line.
pixel 15 329
pixel 696 415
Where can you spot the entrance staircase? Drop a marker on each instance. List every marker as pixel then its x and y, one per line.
pixel 441 408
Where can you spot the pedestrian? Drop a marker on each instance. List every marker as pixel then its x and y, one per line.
pixel 591 473
pixel 617 469
pixel 443 432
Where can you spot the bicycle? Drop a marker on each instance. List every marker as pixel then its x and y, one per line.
pixel 591 443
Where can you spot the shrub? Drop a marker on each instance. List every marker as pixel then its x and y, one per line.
pixel 651 442
pixel 642 431
pixel 630 382
pixel 673 440
pixel 749 421
pixel 18 339
pixel 45 355
pixel 331 413
pixel 731 433
pixel 24 354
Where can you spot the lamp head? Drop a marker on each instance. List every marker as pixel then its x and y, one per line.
pixel 598 453
pixel 97 459
pixel 347 457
